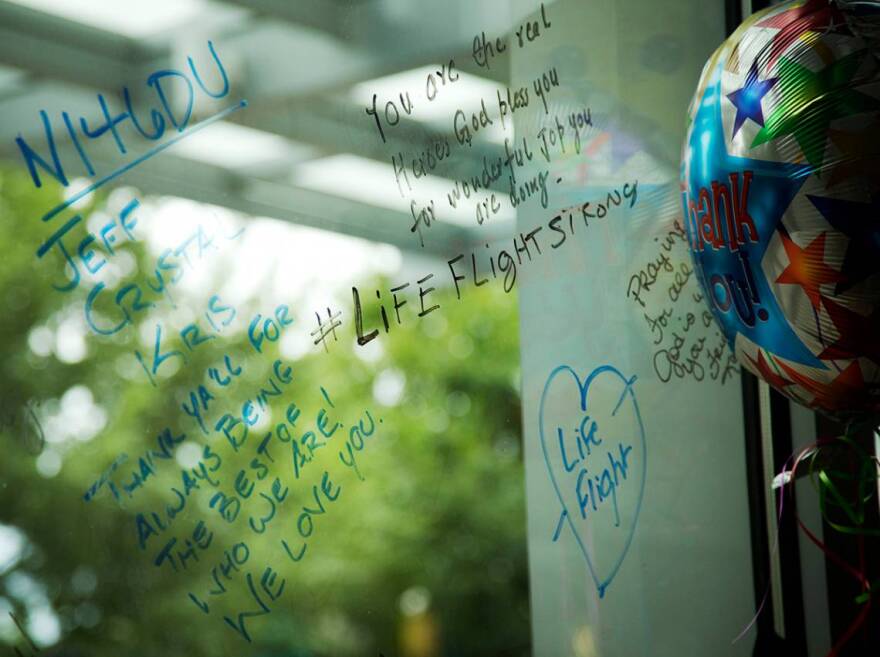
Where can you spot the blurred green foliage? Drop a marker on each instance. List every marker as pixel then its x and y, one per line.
pixel 425 556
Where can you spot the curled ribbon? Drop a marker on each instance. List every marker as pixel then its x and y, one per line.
pixel 827 478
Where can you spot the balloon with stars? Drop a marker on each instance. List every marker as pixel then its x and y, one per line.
pixel 781 202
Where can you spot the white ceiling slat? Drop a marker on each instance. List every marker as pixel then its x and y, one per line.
pixel 273 64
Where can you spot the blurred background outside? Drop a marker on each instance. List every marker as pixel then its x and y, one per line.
pixel 291 202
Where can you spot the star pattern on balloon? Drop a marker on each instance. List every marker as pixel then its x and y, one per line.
pixel 811 100
pixel 859 222
pixel 812 16
pixel 843 390
pixel 807 268
pixel 766 372
pixel 839 393
pixel 858 335
pixel 747 99
pixel 859 154
pixel 772 188
pixel 793 87
pixel 731 62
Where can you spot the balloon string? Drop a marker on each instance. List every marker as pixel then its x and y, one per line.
pixel 822 337
pixel 755 617
pixel 773 552
pixel 797 457
pixel 859 574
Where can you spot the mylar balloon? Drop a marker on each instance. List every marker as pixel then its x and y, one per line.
pixel 781 193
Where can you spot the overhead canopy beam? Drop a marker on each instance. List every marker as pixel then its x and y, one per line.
pixel 56 48
pixel 169 174
pixel 337 127
pixel 90 58
pixel 321 15
pixel 421 32
pixel 69 63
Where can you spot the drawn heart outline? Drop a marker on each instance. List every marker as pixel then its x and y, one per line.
pixel 584 388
